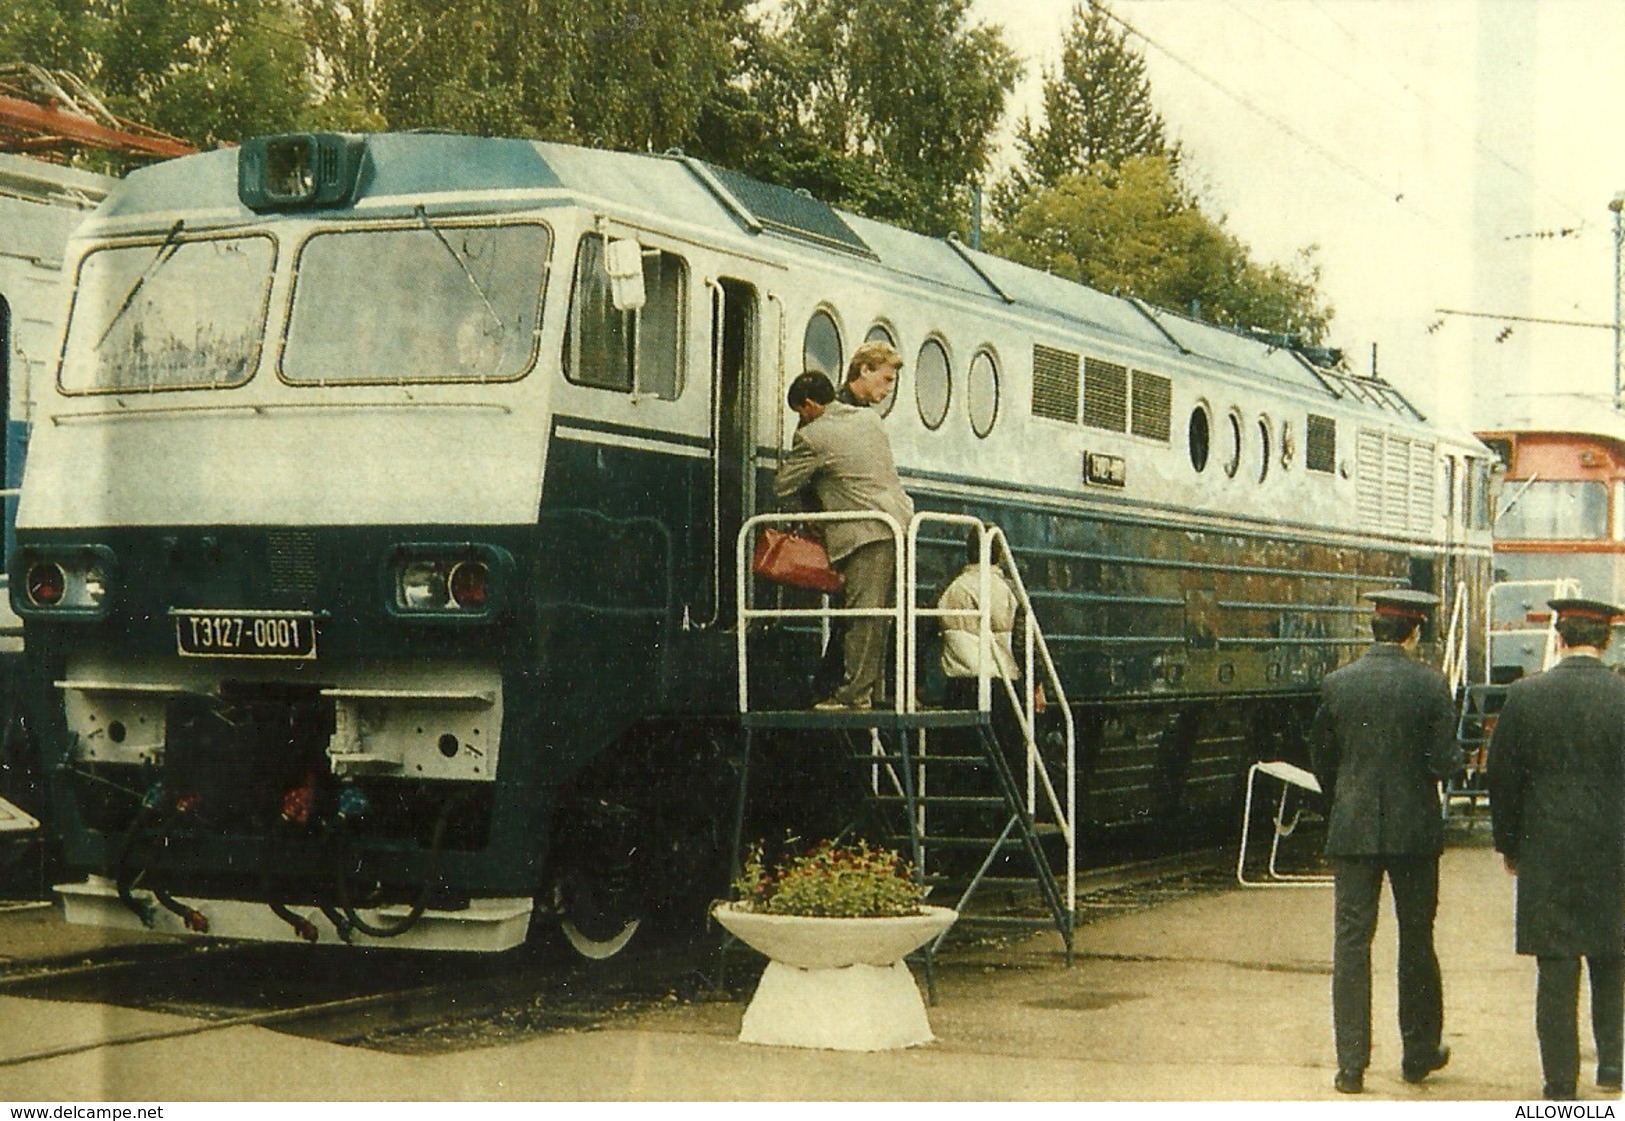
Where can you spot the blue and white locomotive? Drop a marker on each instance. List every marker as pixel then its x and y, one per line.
pixel 376 547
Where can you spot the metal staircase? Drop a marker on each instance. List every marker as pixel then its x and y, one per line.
pixel 1475 723
pixel 1527 638
pixel 973 813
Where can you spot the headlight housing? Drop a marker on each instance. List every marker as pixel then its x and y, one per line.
pixel 72 581
pixel 447 581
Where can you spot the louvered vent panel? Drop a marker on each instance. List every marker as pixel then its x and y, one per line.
pixel 1153 406
pixel 1422 493
pixel 1368 475
pixel 1394 488
pixel 1396 483
pixel 1105 395
pixel 1055 384
pixel 1320 450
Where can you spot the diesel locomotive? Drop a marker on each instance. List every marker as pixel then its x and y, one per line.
pixel 376 545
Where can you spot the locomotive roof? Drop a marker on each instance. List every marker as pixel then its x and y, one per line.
pixel 438 172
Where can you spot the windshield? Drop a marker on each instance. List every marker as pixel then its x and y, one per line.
pixel 432 302
pixel 174 314
pixel 1553 511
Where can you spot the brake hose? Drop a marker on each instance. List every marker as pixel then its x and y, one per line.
pixel 419 905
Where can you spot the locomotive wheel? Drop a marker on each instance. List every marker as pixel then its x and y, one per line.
pixel 598 949
pixel 597 921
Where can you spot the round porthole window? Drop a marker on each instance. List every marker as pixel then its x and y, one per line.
pixel 1199 437
pixel 932 383
pixel 880 333
pixel 982 393
pixel 821 346
pixel 1232 455
pixel 1263 448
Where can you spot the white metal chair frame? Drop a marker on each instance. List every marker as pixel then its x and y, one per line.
pixel 1291 778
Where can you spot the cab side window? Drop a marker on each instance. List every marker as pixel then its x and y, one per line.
pixel 627 349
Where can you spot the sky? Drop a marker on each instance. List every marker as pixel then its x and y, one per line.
pixel 1440 154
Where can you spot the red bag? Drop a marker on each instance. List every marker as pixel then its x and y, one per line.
pixel 794 558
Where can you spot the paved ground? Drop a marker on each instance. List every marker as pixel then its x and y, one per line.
pixel 1222 996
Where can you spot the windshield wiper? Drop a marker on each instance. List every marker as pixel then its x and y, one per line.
pixel 166 250
pixel 1514 500
pixel 479 290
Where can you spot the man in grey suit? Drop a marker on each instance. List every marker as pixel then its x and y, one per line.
pixel 844 455
pixel 1382 739
pixel 1557 803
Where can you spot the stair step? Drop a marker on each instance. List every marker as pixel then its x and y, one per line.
pixel 938 879
pixel 942 800
pixel 955 760
pixel 968 842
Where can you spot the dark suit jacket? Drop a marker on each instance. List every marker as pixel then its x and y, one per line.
pixel 846 458
pixel 1383 737
pixel 1557 803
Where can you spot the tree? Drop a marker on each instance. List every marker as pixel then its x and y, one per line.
pixel 1097 110
pixel 1132 229
pixel 885 106
pixel 634 74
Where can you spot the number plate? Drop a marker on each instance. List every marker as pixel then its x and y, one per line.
pixel 245 634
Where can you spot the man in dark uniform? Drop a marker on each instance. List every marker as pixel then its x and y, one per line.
pixel 1383 738
pixel 1557 801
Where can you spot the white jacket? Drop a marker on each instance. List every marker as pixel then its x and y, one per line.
pixel 960 632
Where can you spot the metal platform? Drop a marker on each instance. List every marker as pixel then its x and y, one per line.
pixel 884 719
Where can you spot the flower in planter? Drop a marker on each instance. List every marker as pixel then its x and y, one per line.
pixel 830 880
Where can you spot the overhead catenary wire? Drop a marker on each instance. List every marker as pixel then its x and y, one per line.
pixel 1566 230
pixel 1570 229
pixel 1278 122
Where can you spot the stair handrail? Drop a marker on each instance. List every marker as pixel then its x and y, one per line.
pixel 744 545
pixel 1455 651
pixel 1036 655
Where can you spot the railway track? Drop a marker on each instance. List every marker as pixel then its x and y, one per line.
pixel 381 1000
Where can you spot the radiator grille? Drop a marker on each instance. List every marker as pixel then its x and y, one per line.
pixel 1153 406
pixel 1105 395
pixel 1055 384
pixel 1320 450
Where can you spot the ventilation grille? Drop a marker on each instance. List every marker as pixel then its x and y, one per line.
pixel 1153 406
pixel 1394 482
pixel 1105 395
pixel 1055 384
pixel 293 561
pixel 1320 452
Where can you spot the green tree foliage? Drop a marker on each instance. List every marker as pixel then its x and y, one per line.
pixel 204 70
pixel 633 74
pixel 888 107
pixel 1097 196
pixel 1132 229
pixel 1097 110
pixel 885 106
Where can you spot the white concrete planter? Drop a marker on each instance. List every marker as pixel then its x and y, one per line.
pixel 839 984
